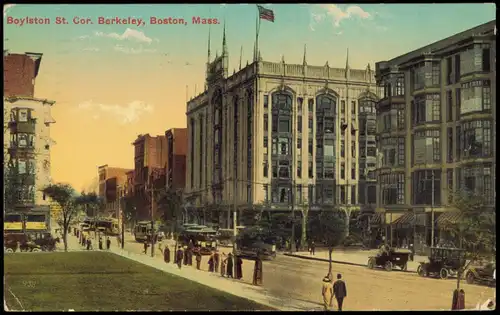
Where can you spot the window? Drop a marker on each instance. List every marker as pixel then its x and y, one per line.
pixel 284 169
pixel 21 167
pixel 475 96
pixel 436 74
pixel 266 193
pixel 266 122
pixel 371 193
pixel 275 169
pixel 449 71
pixel 393 150
pixel 477 138
pixel 458 142
pixel 427 187
pixel 353 108
pixel 418 77
pixel 325 103
pixel 299 144
pixel 471 60
pixel 362 193
pixel 426 147
pixel 342 195
pixel 265 142
pixel 329 125
pixel 342 148
pixel 477 178
pixel 280 194
pixel 299 169
pixel 458 96
pixel 310 170
pixel 392 188
pixel 300 100
pixel 400 89
pixel 299 123
pixel 310 194
pixel 266 101
pixel 266 168
pixel 328 194
pixel 426 109
pixel 449 180
pixel 353 172
pixel 310 147
pixel 449 106
pixel 353 149
pixel 457 68
pixel 342 171
pixel 449 141
pixel 353 195
pixel 342 107
pixel 192 124
pixel 310 105
pixel 298 197
pixel 310 126
pixel 329 170
pixel 23 114
pixel 284 125
pixel 401 117
pixel 371 151
pixel 275 123
pixel 284 146
pixel 401 151
pixel 486 60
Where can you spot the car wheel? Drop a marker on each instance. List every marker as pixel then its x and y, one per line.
pixel 443 273
pixel 35 250
pixel 388 266
pixel 421 271
pixel 371 263
pixel 9 250
pixel 470 277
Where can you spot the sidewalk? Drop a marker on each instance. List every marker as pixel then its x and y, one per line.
pixel 213 280
pixel 355 258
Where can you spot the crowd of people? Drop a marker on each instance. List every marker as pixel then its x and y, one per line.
pixel 217 262
pixel 86 239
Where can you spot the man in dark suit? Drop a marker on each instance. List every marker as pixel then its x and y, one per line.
pixel 340 291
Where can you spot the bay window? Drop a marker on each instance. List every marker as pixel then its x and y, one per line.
pixel 426 108
pixel 475 96
pixel 392 188
pixel 427 187
pixel 471 60
pixel 477 138
pixel 426 147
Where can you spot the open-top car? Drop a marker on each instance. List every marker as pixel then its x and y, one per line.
pixel 481 274
pixel 387 258
pixel 443 262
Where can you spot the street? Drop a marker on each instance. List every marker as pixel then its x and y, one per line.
pixel 299 279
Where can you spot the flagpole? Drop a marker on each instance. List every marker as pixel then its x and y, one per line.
pixel 257 30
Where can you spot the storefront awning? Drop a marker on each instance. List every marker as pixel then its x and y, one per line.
pixel 447 218
pixel 405 221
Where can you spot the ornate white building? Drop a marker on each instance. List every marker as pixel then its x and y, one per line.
pixel 273 132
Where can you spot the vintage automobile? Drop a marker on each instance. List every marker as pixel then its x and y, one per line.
pixel 443 262
pixel 47 243
pixel 29 246
pixel 481 274
pixel 388 258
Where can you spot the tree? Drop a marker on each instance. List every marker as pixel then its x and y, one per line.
pixel 171 206
pixel 129 208
pixel 91 203
pixel 329 228
pixel 65 196
pixel 475 228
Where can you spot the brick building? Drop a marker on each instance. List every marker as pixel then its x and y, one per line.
pixel 111 180
pixel 176 157
pixel 150 153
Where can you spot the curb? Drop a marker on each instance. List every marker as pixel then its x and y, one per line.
pixel 335 261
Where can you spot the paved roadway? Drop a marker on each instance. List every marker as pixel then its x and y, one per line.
pixel 298 279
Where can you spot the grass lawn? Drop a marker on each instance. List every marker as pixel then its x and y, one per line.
pixel 91 281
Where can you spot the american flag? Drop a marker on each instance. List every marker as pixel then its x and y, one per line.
pixel 266 14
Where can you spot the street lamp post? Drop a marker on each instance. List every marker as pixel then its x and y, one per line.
pixel 152 218
pixel 120 209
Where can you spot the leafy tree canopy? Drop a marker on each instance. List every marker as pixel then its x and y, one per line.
pixel 328 228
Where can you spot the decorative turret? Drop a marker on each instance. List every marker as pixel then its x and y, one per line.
pixel 225 55
pixel 208 60
pixel 347 67
pixel 368 74
pixel 241 55
pixel 304 60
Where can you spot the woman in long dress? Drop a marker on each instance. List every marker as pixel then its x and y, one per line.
pixel 223 265
pixel 229 270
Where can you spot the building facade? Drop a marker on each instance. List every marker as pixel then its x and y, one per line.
pixel 436 127
pixel 176 157
pixel 111 181
pixel 150 158
pixel 276 134
pixel 27 141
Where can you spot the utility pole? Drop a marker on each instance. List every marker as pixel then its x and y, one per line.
pixel 152 216
pixel 235 221
pixel 432 210
pixel 292 195
pixel 120 209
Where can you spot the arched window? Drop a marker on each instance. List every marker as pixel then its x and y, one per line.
pixel 326 102
pixel 282 101
pixel 282 108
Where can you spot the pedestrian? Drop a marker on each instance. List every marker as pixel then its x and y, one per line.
pixel 211 263
pixel 108 243
pixel 340 291
pixel 189 256
pixel 89 244
pixel 216 260
pixel 257 271
pixel 229 269
pixel 166 254
pixel 84 240
pixel 223 265
pixel 327 293
pixel 179 255
pixel 146 246
pixel 160 246
pixel 312 248
pixel 198 258
pixel 118 240
pixel 458 302
pixel 100 243
pixel 185 256
pixel 239 268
